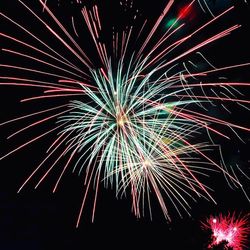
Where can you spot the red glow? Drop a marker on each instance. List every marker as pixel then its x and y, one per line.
pixel 184 12
pixel 230 229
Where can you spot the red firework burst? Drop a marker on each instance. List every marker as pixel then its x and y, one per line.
pixel 231 229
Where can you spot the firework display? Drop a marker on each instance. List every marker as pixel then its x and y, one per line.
pixel 232 230
pixel 129 112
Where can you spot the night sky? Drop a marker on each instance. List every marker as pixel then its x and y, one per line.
pixel 40 220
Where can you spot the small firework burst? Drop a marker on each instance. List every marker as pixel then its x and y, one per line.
pixel 231 230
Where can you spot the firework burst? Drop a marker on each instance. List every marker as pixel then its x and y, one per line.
pixel 230 229
pixel 131 120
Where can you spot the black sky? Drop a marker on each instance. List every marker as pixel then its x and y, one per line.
pixel 38 219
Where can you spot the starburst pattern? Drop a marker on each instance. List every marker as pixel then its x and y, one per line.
pixel 132 120
pixel 232 230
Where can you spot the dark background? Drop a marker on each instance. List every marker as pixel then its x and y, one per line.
pixel 38 219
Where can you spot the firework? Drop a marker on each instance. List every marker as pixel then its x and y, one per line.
pixel 230 229
pixel 131 121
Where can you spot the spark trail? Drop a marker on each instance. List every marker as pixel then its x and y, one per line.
pixel 131 120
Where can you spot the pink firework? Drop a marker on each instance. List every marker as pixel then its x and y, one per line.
pixel 230 229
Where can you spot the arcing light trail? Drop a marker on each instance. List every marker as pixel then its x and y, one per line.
pixel 130 121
